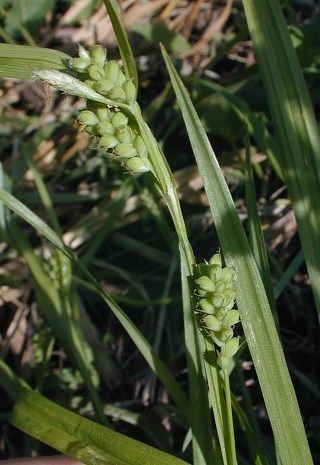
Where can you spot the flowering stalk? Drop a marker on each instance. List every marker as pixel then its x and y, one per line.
pixel 215 300
pixel 113 117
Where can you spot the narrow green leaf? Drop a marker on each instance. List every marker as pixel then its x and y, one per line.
pixel 288 274
pixel 256 316
pixel 294 121
pixel 44 195
pixel 10 382
pixel 60 312
pixel 142 344
pixel 30 59
pixel 80 438
pixel 256 238
pixel 122 40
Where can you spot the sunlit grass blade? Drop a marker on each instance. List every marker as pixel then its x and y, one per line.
pixel 294 121
pixel 15 387
pixel 256 316
pixel 80 438
pixel 30 59
pixel 129 63
pixel 142 344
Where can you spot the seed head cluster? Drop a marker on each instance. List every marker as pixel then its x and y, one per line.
pixel 115 132
pixel 215 301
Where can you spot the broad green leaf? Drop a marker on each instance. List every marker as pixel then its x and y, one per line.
pixel 30 59
pixel 142 344
pixel 122 40
pixel 256 316
pixel 80 438
pixel 294 121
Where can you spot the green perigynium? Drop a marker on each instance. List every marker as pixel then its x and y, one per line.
pixel 105 87
pixel 215 296
pixel 112 127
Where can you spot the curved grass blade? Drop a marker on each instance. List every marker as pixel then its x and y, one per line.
pixel 142 344
pixel 80 438
pixel 256 316
pixel 122 40
pixel 295 124
pixel 30 58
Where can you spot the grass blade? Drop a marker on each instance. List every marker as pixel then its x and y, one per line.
pixel 256 238
pixel 129 63
pixel 30 58
pixel 59 310
pixel 256 316
pixel 294 121
pixel 142 344
pixel 80 438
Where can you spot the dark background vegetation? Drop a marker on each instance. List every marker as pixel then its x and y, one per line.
pixel 135 257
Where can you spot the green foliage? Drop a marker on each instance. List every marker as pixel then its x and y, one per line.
pixel 102 236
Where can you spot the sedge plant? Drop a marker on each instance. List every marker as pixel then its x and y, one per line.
pixel 216 294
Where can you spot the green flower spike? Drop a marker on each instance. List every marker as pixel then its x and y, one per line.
pixel 216 299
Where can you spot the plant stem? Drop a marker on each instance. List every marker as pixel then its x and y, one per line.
pixel 231 447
